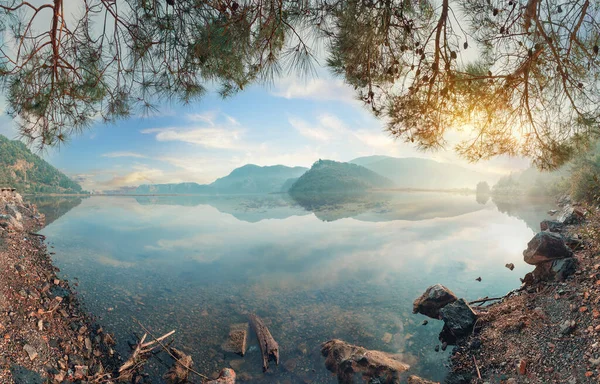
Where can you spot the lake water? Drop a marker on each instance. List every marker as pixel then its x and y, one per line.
pixel 345 268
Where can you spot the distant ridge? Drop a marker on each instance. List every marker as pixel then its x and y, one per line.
pixel 412 172
pixel 247 179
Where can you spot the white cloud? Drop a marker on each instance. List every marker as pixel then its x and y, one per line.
pixel 206 117
pixel 124 154
pixel 217 138
pixel 308 131
pixel 314 89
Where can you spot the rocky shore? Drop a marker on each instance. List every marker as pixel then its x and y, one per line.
pixel 548 331
pixel 45 336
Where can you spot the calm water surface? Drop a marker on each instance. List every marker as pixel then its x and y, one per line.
pixel 341 268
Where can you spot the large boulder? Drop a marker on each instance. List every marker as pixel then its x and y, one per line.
pixel 432 300
pixel 348 361
pixel 570 215
pixel 459 318
pixel 552 226
pixel 544 247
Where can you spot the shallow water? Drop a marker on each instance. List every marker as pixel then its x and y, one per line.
pixel 345 268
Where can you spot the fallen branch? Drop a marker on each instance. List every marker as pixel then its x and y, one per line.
pixel 164 347
pixel 477 368
pixel 486 299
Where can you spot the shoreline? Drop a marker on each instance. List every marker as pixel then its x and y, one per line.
pixel 547 333
pixel 44 331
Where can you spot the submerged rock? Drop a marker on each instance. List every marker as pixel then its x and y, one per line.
pixel 347 361
pixel 546 246
pixel 227 376
pixel 459 318
pixel 237 339
pixel 432 300
pixel 418 380
pixel 552 226
pixel 180 370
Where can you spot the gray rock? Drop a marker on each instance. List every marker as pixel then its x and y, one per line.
pixel 567 326
pixel 564 200
pixel 458 318
pixel 563 268
pixel 23 375
pixel 570 215
pixel 30 351
pixel 556 270
pixel 552 226
pixel 432 300
pixel 546 246
pixel 14 211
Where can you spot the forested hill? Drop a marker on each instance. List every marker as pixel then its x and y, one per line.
pixel 333 176
pixel 29 173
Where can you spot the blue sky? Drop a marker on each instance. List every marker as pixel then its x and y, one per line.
pixel 293 122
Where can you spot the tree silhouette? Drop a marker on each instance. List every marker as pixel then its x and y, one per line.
pixel 513 77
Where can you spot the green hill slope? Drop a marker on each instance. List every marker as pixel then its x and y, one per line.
pixel 29 173
pixel 331 176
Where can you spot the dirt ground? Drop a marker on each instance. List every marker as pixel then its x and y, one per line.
pixel 44 334
pixel 548 333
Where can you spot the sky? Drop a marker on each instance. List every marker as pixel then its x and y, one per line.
pixel 292 122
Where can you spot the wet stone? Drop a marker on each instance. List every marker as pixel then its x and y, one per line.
pixel 432 300
pixel 458 318
pixel 237 339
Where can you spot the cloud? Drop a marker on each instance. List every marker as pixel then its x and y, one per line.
pixel 323 89
pixel 124 154
pixel 308 131
pixel 207 117
pixel 220 131
pixel 217 138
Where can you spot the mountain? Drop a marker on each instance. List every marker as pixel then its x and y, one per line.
pixel 332 176
pixel 244 180
pixel 254 179
pixel 411 172
pixel 29 173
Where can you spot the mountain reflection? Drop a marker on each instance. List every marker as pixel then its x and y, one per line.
pixel 371 207
pixel 53 207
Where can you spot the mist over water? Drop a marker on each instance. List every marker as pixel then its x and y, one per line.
pixel 340 267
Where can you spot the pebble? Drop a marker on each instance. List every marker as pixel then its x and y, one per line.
pixel 30 351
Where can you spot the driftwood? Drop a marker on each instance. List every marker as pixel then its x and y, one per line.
pixel 268 346
pixel 139 356
pixel 180 369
